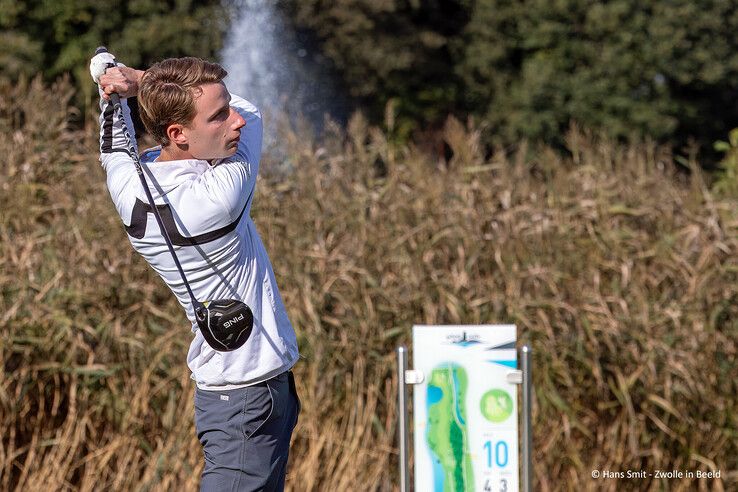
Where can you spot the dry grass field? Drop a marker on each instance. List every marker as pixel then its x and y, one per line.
pixel 620 271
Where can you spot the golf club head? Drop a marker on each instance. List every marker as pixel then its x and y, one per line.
pixel 225 324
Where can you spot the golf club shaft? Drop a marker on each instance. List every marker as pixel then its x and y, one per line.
pixel 118 109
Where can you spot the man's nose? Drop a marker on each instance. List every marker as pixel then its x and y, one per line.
pixel 239 121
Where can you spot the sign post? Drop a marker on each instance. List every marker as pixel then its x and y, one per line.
pixel 465 409
pixel 402 410
pixel 527 424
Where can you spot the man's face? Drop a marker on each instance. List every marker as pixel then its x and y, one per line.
pixel 215 130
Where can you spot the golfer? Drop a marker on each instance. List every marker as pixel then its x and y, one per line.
pixel 202 178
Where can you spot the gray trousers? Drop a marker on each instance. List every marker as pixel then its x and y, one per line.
pixel 245 434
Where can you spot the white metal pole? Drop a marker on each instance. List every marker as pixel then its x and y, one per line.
pixel 402 411
pixel 526 362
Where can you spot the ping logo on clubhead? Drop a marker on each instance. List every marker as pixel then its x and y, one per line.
pixel 236 319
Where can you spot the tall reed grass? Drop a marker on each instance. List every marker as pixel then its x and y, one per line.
pixel 620 271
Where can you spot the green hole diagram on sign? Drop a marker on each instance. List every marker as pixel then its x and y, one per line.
pixel 447 434
pixel 496 405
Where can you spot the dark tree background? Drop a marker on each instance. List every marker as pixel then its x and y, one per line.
pixel 664 69
pixel 54 37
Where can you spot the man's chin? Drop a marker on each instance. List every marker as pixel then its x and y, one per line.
pixel 229 152
pixel 232 148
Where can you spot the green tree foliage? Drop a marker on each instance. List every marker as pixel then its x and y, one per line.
pixel 727 179
pixel 59 36
pixel 664 69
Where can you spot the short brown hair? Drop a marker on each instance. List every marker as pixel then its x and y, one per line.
pixel 168 90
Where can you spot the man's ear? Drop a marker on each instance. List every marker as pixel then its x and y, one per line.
pixel 176 134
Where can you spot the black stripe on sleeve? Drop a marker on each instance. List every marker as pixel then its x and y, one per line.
pixel 106 142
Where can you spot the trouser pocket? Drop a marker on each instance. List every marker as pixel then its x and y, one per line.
pixel 258 408
pixel 293 390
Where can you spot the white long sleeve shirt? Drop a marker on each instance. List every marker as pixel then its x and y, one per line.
pixel 206 210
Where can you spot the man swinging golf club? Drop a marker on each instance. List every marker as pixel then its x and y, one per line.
pixel 186 208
